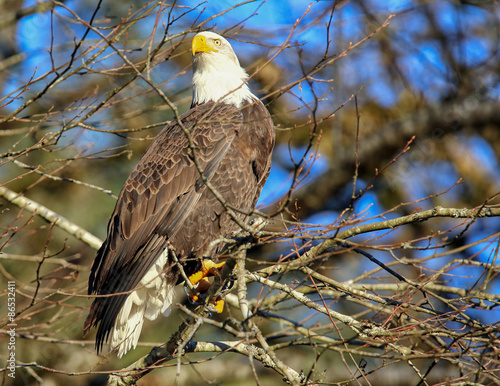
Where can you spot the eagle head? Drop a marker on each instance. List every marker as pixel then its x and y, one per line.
pixel 217 74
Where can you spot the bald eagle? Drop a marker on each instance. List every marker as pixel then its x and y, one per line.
pixel 166 205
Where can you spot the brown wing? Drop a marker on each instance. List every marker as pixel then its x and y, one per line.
pixel 259 129
pixel 154 203
pixel 239 178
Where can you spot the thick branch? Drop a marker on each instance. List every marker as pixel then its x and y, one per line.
pixel 438 211
pixel 50 216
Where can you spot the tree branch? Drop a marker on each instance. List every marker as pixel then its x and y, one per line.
pixel 51 217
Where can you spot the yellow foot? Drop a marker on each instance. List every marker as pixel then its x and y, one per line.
pixel 208 268
pixel 199 279
pixel 219 305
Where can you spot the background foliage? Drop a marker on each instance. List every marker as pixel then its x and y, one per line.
pixel 386 113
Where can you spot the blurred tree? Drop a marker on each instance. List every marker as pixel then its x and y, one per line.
pixel 387 118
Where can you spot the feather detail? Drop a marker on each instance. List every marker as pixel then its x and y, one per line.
pixel 165 203
pixel 153 296
pixel 218 76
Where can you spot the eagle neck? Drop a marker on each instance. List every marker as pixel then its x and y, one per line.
pixel 228 86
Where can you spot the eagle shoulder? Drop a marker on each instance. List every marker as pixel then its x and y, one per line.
pixel 158 195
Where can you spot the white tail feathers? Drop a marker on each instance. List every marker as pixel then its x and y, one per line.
pixel 153 296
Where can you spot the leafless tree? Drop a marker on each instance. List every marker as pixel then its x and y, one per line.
pixel 373 257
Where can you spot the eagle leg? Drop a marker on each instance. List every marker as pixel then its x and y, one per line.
pixel 208 268
pixel 199 279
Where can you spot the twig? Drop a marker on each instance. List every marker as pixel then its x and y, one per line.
pixel 51 217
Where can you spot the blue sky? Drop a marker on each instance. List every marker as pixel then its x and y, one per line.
pixel 419 56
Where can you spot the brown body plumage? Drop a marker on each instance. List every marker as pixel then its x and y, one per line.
pixel 165 201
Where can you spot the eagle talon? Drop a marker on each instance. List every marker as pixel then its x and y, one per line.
pixel 202 284
pixel 208 268
pixel 192 296
pixel 218 306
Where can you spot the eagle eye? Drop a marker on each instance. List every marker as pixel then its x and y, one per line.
pixel 217 42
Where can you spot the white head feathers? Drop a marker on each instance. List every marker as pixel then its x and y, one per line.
pixel 217 74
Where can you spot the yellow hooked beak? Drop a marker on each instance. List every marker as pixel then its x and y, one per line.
pixel 200 44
